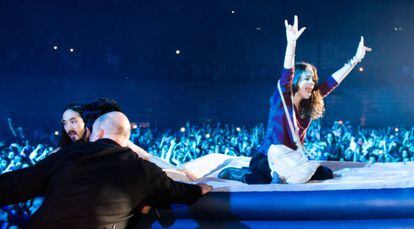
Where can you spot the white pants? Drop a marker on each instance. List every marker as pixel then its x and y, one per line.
pixel 291 165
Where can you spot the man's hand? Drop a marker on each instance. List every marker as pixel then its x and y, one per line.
pixel 292 32
pixel 205 188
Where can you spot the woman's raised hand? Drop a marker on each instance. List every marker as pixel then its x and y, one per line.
pixel 362 50
pixel 292 31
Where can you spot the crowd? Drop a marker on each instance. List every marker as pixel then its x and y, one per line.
pixel 19 155
pixel 341 142
pixel 192 141
pixel 344 143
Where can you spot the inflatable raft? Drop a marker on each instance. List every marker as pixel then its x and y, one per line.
pixel 379 195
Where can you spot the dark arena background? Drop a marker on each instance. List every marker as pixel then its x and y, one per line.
pixel 195 77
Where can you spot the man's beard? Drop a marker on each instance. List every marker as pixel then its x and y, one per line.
pixel 74 136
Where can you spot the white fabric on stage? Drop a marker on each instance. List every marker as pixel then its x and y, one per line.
pixel 347 175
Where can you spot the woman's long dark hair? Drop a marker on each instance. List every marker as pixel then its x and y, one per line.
pixel 313 107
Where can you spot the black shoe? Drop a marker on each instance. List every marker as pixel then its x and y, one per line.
pixel 232 173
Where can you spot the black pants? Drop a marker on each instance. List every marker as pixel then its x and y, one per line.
pixel 260 171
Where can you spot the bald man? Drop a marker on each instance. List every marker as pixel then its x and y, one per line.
pixel 100 184
pixel 113 125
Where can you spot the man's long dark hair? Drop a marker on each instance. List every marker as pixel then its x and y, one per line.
pixel 91 111
pixel 65 140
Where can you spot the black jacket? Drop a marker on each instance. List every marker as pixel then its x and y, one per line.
pixel 93 185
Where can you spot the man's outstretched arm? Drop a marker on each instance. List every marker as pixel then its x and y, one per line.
pixel 170 191
pixel 24 184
